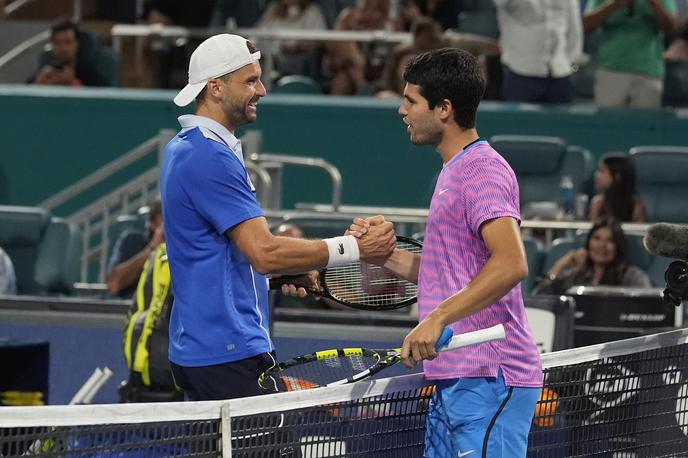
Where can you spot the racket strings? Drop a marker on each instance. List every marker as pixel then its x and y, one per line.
pixel 313 374
pixel 370 284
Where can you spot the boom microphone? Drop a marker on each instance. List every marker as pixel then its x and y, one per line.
pixel 668 240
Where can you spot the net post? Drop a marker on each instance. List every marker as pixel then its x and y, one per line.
pixel 225 430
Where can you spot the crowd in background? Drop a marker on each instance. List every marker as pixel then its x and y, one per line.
pixel 536 51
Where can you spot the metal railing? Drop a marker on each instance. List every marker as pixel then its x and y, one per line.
pixel 120 31
pixel 94 220
pixel 273 164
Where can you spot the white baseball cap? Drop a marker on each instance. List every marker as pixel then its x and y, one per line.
pixel 216 56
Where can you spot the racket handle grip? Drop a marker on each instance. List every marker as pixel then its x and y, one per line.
pixel 475 337
pixel 444 339
pixel 296 280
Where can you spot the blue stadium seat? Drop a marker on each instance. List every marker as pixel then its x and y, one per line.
pixel 540 162
pixel 122 224
pixel 675 92
pixel 557 250
pixel 478 17
pixel 662 176
pixel 59 257
pixel 45 250
pixel 296 84
pixel 535 256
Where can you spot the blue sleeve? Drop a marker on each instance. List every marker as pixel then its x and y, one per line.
pixel 128 244
pixel 220 191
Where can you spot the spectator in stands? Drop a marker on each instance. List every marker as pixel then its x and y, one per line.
pixel 158 61
pixel 351 66
pixel 77 58
pixel 131 251
pixel 444 12
pixel 427 35
pixel 630 63
pixel 8 280
pixel 602 262
pixel 678 49
pixel 618 197
pixel 291 57
pixel 540 41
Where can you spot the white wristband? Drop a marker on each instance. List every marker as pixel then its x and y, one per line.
pixel 343 250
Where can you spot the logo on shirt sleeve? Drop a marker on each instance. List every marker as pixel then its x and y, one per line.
pixel 341 248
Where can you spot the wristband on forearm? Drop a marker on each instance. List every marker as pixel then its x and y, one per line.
pixel 342 250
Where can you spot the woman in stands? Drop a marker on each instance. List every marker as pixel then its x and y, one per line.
pixel 618 197
pixel 602 262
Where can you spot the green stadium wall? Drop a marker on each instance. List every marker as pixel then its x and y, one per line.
pixel 52 137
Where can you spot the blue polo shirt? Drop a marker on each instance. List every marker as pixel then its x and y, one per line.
pixel 220 311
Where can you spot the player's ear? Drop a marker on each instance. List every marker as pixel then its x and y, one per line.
pixel 445 109
pixel 214 87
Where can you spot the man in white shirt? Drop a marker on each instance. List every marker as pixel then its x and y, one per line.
pixel 540 42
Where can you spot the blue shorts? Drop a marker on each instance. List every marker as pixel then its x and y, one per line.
pixel 479 418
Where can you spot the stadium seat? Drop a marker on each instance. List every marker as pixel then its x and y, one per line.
pixel 296 84
pixel 557 250
pixel 540 162
pixel 675 84
pixel 535 256
pixel 122 224
pixel 662 176
pixel 59 257
pixel 478 17
pixel 45 250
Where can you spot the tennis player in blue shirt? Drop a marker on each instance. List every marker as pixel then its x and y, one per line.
pixel 218 242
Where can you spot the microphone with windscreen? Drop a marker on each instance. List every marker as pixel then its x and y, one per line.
pixel 671 241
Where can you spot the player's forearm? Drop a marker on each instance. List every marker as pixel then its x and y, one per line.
pixel 285 255
pixel 404 264
pixel 494 281
pixel 666 21
pixel 128 272
pixel 595 18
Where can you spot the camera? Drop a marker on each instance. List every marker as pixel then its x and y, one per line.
pixel 676 277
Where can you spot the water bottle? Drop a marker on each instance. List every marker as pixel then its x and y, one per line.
pixel 567 195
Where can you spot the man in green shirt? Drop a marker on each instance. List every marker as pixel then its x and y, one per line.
pixel 631 66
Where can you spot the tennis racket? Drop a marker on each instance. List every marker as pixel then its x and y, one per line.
pixel 362 285
pixel 347 365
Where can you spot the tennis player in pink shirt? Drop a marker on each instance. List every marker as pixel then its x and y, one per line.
pixel 470 271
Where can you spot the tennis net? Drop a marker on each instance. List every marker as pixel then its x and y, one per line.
pixel 622 399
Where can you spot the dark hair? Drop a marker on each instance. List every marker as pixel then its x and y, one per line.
pixel 154 209
pixel 614 272
pixel 682 31
pixel 427 27
pixel 390 76
pixel 200 98
pixel 63 25
pixel 621 197
pixel 452 74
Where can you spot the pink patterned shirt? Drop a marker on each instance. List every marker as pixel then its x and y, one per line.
pixel 475 186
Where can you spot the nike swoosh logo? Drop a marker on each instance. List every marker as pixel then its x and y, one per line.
pixel 442 191
pixel 460 453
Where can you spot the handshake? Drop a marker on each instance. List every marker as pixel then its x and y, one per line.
pixel 375 237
